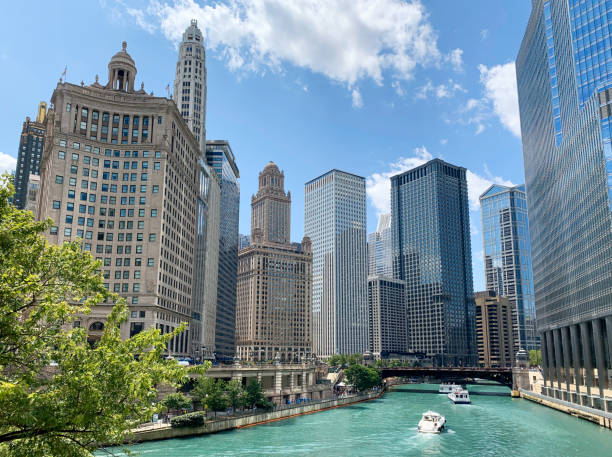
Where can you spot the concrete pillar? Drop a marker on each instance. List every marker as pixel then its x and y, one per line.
pixel 600 361
pixel 558 356
pixel 544 358
pixel 575 341
pixel 585 332
pixel 293 381
pixel 551 358
pixel 565 340
pixel 278 381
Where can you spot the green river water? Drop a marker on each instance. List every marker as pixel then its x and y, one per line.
pixel 490 426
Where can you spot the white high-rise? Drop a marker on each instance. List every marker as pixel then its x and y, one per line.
pixel 190 82
pixel 335 221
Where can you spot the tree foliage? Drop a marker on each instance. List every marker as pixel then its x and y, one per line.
pixel 362 377
pixel 535 357
pixel 345 360
pixel 255 395
pixel 59 395
pixel 176 401
pixel 236 394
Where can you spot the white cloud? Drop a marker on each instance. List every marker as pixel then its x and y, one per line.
pixel 345 40
pixel 484 34
pixel 7 162
pixel 440 91
pixel 357 100
pixel 443 141
pixel 500 91
pixel 378 185
pixel 455 57
pixel 398 88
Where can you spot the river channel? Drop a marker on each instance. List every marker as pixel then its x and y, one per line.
pixel 490 426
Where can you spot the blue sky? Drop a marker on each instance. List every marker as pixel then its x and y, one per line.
pixel 372 87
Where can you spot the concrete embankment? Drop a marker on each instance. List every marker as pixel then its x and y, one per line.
pixel 219 425
pixel 597 416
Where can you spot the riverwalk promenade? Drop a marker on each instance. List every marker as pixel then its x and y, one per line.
pixel 159 431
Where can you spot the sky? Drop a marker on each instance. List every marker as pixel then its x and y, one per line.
pixel 371 87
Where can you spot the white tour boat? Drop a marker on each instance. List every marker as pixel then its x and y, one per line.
pixel 460 396
pixel 447 388
pixel 431 422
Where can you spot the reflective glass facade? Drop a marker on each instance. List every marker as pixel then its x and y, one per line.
pixel 568 189
pixel 507 257
pixel 379 248
pixel 220 158
pixel 432 254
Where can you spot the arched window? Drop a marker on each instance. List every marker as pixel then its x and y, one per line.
pixel 96 326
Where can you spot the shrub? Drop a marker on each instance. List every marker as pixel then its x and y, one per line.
pixel 196 419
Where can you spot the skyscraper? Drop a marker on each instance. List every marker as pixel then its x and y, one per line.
pixel 121 173
pixel 220 157
pixel 190 82
pixel 494 330
pixel 564 76
pixel 507 257
pixel 380 260
pixel 30 152
pixel 335 221
pixel 274 298
pixel 387 308
pixel 432 253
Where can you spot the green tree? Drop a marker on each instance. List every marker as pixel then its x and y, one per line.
pixel 176 401
pixel 59 395
pixel 236 394
pixel 204 387
pixel 218 400
pixel 362 377
pixel 255 396
pixel 535 357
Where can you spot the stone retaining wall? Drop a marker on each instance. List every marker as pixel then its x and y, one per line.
pixel 167 432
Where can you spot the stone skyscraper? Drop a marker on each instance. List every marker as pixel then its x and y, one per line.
pixel 432 254
pixel 507 257
pixel 274 298
pixel 387 308
pixel 121 172
pixel 220 157
pixel 29 155
pixel 190 82
pixel 335 221
pixel 564 79
pixel 494 330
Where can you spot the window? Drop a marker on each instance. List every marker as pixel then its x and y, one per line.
pixel 69 219
pixel 71 193
pixel 159 119
pixel 70 206
pixel 67 231
pixel 137 274
pixel 72 181
pixel 156 165
pixel 68 106
pixel 61 154
pixel 150 262
pixel 155 189
pixel 56 204
pixel 153 213
pixel 139 237
pixel 76 146
pixel 136 287
pixel 53 230
pixel 59 179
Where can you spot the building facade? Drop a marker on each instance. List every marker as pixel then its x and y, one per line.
pixel 380 258
pixel 335 221
pixel 221 159
pixel 29 155
pixel 274 293
pixel 494 330
pixel 119 170
pixel 432 254
pixel 206 268
pixel 507 257
pixel 564 81
pixel 387 323
pixel 190 82
pixel 31 203
pixel 243 241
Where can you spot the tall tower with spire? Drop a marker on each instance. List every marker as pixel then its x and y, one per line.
pixel 190 82
pixel 271 207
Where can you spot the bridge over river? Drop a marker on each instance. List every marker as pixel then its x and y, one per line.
pixel 502 376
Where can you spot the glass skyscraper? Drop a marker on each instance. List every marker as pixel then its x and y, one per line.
pixel 564 76
pixel 432 253
pixel 379 248
pixel 507 257
pixel 335 221
pixel 220 158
